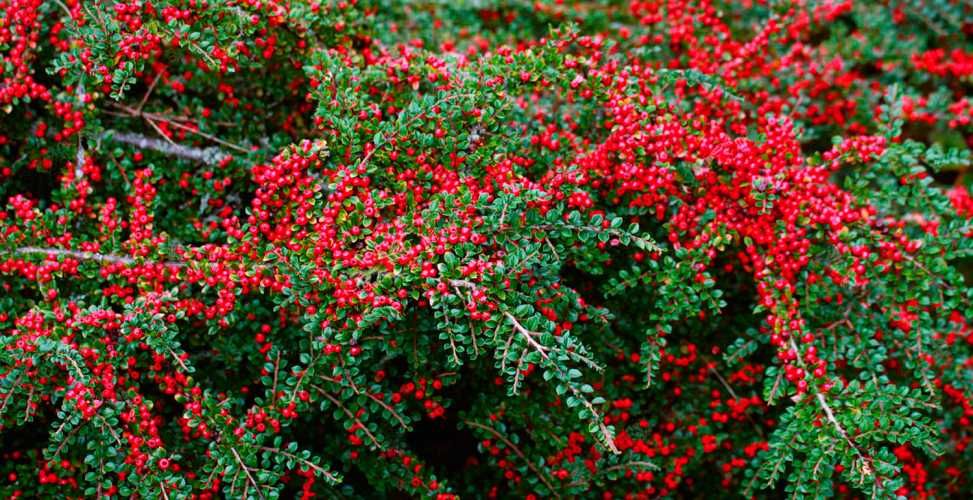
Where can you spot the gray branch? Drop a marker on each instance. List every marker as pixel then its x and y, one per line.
pixel 97 257
pixel 210 155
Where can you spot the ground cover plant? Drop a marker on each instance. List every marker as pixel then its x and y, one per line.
pixel 485 249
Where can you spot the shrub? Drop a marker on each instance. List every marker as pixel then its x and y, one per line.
pixel 260 249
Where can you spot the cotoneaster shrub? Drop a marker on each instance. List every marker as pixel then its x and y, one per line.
pixel 504 249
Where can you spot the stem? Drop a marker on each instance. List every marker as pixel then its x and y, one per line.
pixel 211 155
pixel 80 156
pixel 77 254
pixel 389 409
pixel 527 334
pixel 246 470
pixel 317 468
pixel 516 451
pixel 350 415
pixel 823 402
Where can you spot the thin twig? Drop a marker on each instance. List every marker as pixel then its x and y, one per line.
pixel 162 133
pixel 246 470
pixel 317 468
pixel 832 420
pixel 273 389
pixel 148 92
pixel 722 381
pixel 64 8
pixel 517 452
pixel 151 118
pixel 389 409
pixel 527 334
pixel 11 393
pixel 178 360
pixel 733 394
pixel 371 437
pixel 210 137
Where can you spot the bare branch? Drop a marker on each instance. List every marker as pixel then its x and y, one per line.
pixel 211 155
pixel 80 156
pixel 77 254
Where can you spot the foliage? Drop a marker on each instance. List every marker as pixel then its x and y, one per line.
pixel 371 248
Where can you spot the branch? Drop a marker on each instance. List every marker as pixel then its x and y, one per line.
pixel 529 335
pixel 210 155
pixel 246 470
pixel 391 410
pixel 317 468
pixel 80 155
pixel 623 466
pixel 77 254
pixel 640 241
pixel 532 342
pixel 516 451
pixel 10 394
pixel 358 422
pixel 712 369
pixel 831 418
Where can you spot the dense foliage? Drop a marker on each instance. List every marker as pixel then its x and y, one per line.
pixel 508 248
